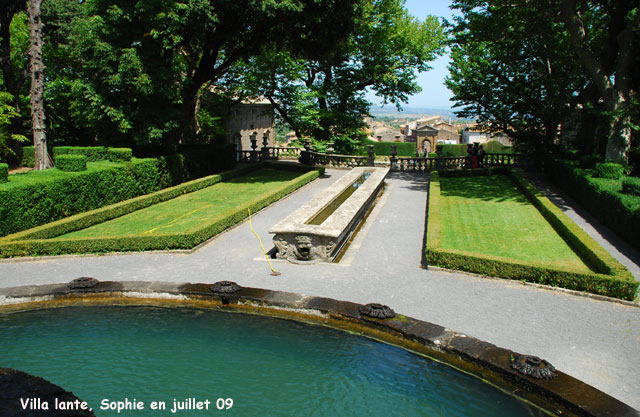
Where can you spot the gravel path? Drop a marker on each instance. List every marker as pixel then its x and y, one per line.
pixel 595 341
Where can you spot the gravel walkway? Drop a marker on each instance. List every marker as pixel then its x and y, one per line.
pixel 595 341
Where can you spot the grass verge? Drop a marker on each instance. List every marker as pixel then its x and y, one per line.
pixel 467 249
pixel 73 235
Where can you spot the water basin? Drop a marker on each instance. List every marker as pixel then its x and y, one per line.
pixel 266 366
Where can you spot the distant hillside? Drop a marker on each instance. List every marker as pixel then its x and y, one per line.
pixel 412 112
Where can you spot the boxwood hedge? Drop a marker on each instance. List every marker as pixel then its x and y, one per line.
pixel 4 172
pixel 42 240
pixel 384 148
pixel 39 197
pixel 93 153
pixel 603 198
pixel 71 163
pixel 609 278
pixel 631 185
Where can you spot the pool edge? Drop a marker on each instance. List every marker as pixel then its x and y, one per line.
pixel 563 395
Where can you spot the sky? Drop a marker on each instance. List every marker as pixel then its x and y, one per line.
pixel 434 93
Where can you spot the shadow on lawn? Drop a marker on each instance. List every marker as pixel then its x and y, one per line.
pixel 495 188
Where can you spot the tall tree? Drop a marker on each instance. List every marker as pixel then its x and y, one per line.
pixel 319 87
pixel 512 69
pixel 14 58
pixel 140 66
pixel 610 60
pixel 37 86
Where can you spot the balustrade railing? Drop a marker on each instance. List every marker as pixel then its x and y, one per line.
pixel 416 164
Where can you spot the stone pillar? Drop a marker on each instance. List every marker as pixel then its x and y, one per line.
pixel 371 158
pixel 330 149
pixel 254 146
pixel 393 159
pixel 265 144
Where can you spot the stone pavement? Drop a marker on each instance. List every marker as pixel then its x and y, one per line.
pixel 595 341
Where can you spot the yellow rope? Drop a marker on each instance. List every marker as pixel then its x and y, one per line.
pixel 273 271
pixel 176 219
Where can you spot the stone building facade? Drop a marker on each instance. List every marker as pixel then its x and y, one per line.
pixel 248 117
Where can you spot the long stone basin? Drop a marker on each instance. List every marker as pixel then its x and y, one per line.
pixel 297 238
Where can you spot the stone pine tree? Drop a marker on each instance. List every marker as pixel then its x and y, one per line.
pixel 37 86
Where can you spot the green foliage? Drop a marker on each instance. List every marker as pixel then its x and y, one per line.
pixel 493 146
pixel 71 163
pixel 28 156
pixel 454 150
pixel 609 170
pixel 4 172
pixel 600 196
pixel 192 161
pixel 134 73
pixel 590 161
pixel 631 185
pixel 318 87
pixel 93 153
pixel 103 214
pixel 513 68
pixel 384 148
pixel 39 197
pixel 612 279
pixel 42 241
pixel 119 154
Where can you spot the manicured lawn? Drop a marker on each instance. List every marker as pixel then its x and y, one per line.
pixel 488 215
pixel 188 212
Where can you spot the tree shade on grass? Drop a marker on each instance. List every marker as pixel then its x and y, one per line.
pixel 490 216
pixel 190 211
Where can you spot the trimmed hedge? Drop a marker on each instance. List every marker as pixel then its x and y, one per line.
pixel 4 172
pixel 611 279
pixel 384 148
pixel 28 156
pixel 71 163
pixel 192 161
pixel 601 197
pixel 93 153
pixel 119 154
pixel 41 241
pixel 39 197
pixel 454 150
pixel 609 170
pixel 631 185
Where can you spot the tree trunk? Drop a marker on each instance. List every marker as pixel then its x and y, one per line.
pixel 619 133
pixel 37 86
pixel 614 94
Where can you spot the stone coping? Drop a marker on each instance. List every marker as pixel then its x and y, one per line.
pixel 339 220
pixel 562 395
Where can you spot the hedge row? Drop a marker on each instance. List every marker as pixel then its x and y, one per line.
pixel 4 172
pixel 611 279
pixel 603 198
pixel 71 163
pixel 34 243
pixel 192 161
pixel 28 156
pixel 93 153
pixel 39 197
pixel 493 146
pixel 384 148
pixel 103 214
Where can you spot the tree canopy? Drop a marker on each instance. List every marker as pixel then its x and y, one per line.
pixel 320 91
pixel 523 68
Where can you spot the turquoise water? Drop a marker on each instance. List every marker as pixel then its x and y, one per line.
pixel 268 367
